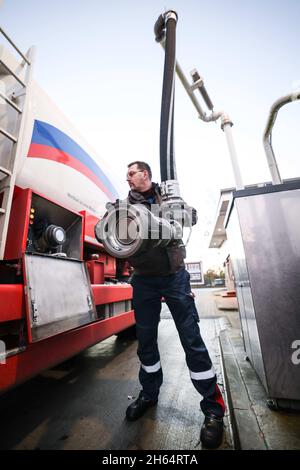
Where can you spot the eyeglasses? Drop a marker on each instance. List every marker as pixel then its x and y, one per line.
pixel 132 173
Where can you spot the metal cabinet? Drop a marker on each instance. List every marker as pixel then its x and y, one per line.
pixel 263 229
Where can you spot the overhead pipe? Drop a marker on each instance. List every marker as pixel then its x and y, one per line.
pixel 267 137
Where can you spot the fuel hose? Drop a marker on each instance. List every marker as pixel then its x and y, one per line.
pixel 165 30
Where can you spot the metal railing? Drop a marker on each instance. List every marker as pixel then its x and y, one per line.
pixel 7 175
pixel 267 138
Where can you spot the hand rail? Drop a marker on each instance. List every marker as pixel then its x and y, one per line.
pixel 267 137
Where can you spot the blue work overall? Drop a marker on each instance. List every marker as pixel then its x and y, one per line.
pixel 175 288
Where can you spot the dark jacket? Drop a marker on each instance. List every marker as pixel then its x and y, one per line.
pixel 156 261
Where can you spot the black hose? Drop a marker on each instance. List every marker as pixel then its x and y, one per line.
pixel 167 164
pixel 173 174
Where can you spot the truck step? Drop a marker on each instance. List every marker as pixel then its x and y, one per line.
pixel 8 135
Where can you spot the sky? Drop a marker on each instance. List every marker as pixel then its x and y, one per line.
pixel 100 63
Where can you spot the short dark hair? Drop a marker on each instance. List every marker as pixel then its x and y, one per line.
pixel 142 166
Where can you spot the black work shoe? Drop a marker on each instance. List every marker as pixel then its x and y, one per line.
pixel 212 432
pixel 139 407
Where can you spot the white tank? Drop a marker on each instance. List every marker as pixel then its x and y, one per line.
pixel 53 159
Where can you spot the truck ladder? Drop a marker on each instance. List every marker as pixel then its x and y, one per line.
pixel 14 103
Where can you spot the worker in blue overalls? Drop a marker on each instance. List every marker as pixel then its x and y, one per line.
pixel 160 272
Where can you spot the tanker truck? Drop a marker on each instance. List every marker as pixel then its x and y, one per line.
pixel 60 291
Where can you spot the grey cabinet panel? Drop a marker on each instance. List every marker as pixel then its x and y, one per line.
pixel 264 234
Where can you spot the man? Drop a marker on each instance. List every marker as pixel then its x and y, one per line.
pixel 160 272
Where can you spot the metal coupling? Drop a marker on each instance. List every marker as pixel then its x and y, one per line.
pixel 225 119
pixel 161 24
pixel 171 14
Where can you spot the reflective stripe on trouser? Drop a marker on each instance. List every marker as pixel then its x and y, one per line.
pixel 151 378
pixel 212 398
pixel 147 293
pixel 151 369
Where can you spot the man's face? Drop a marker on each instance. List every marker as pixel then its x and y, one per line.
pixel 137 179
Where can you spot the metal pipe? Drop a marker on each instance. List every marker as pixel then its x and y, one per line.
pixel 198 83
pixel 188 89
pixel 226 126
pixel 267 137
pixel 214 116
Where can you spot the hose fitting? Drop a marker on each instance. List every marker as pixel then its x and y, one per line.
pixel 161 24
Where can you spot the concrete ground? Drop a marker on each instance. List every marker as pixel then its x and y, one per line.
pixel 255 425
pixel 81 403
